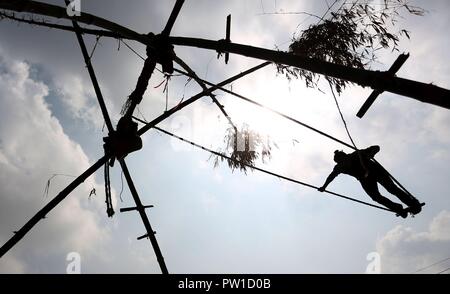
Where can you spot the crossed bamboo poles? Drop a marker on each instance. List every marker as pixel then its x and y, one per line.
pixel 139 206
pixel 377 80
pixel 380 81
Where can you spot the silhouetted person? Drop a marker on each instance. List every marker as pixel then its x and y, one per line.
pixel 369 174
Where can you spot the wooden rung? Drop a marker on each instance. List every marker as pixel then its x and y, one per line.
pixel 227 37
pixel 145 236
pixel 373 96
pixel 369 101
pixel 398 63
pixel 125 209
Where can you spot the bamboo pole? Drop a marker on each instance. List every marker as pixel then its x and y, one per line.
pixel 75 183
pixel 49 206
pixel 140 208
pixel 376 80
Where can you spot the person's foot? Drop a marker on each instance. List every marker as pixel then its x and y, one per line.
pixel 416 208
pixel 402 212
pixel 399 210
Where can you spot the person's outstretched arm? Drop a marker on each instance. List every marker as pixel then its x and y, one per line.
pixel 329 179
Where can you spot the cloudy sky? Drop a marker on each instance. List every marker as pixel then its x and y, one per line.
pixel 211 220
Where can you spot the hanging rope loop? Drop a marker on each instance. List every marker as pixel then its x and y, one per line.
pixel 108 201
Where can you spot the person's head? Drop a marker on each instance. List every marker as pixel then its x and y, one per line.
pixel 339 156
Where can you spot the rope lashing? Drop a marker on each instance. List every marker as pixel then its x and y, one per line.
pixel 161 51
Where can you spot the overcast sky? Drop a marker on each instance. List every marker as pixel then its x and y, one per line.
pixel 211 220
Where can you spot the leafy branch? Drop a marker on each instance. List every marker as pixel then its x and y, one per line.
pixel 351 36
pixel 244 147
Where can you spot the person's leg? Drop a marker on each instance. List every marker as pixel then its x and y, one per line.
pixel 370 186
pixel 386 181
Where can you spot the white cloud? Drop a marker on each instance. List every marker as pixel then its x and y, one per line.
pixel 25 167
pixel 437 126
pixel 33 146
pixel 79 99
pixel 12 265
pixel 209 201
pixel 403 250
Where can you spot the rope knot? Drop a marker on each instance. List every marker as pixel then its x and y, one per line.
pixel 162 51
pixel 123 141
pixel 220 47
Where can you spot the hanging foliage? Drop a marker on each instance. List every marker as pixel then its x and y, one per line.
pixel 244 147
pixel 351 36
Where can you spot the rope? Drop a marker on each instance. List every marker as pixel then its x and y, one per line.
pixel 166 90
pixel 140 113
pixel 95 47
pixel 165 74
pixel 141 86
pixel 121 186
pixel 109 207
pixel 328 10
pixel 47 186
pixel 342 118
pixel 107 120
pixel 360 157
pixel 394 179
pixel 348 131
pixel 263 170
pixel 87 60
pixel 132 50
pixel 441 272
pixel 295 121
pixel 431 265
pixel 154 55
pixel 213 97
pixel 273 111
